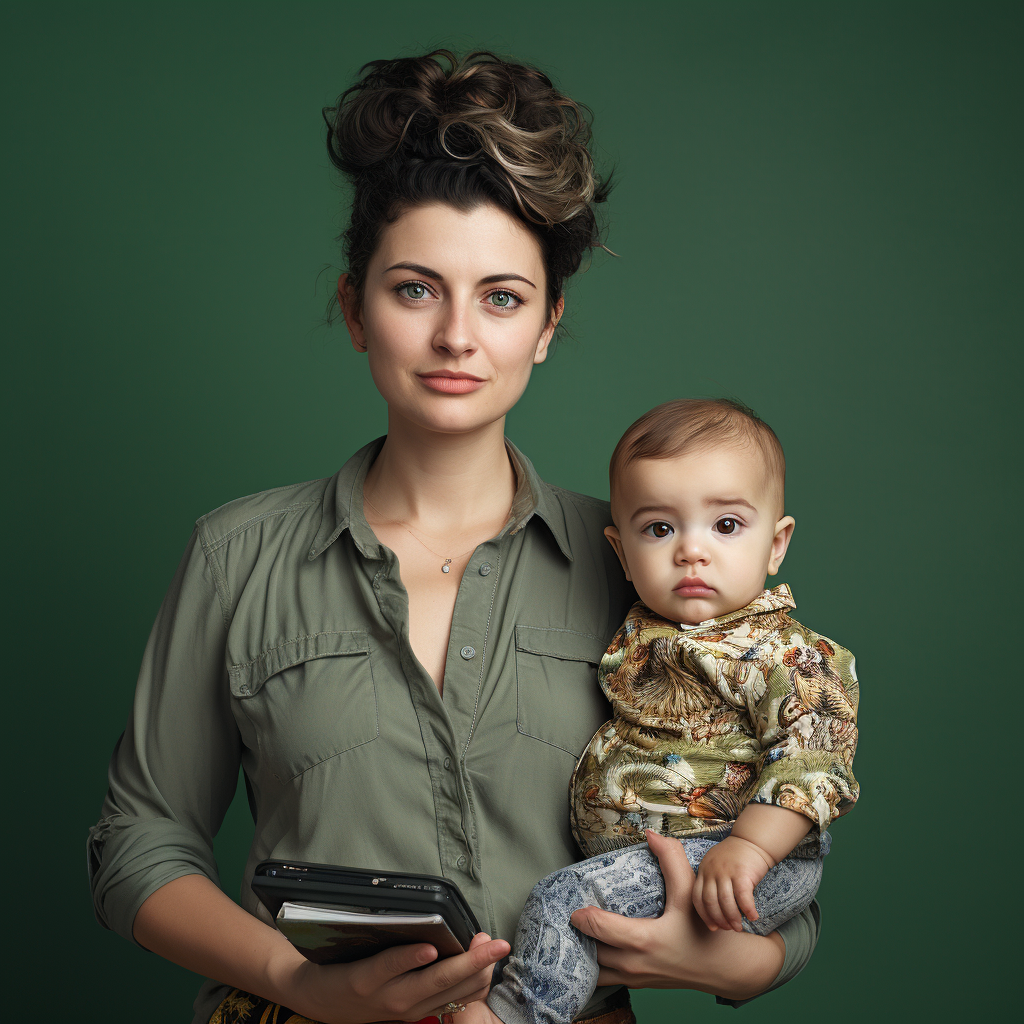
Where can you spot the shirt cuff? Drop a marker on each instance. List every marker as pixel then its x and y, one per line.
pixel 130 858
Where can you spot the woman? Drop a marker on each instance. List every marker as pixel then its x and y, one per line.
pixel 402 657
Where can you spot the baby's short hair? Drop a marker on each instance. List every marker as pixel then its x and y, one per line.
pixel 698 424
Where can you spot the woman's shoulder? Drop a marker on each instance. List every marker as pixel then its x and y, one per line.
pixel 588 507
pixel 593 556
pixel 582 517
pixel 268 536
pixel 288 505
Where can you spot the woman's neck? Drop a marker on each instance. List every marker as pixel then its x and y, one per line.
pixel 442 482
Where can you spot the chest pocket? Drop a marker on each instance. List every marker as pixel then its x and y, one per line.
pixel 558 699
pixel 308 699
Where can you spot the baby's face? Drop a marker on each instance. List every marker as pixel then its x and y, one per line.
pixel 697 534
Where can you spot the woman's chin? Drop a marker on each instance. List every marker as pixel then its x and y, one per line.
pixel 449 415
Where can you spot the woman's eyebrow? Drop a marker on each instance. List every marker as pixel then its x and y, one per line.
pixel 418 268
pixel 495 278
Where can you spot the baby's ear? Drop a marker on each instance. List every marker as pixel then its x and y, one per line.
pixel 612 533
pixel 780 543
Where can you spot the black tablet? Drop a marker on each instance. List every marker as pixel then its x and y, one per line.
pixel 376 893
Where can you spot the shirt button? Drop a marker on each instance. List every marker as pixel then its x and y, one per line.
pixel 461 862
pixel 447 762
pixel 468 653
pixel 485 568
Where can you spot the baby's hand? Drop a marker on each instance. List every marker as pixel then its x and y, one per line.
pixel 725 883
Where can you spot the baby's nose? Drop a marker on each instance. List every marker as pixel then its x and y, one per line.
pixel 691 550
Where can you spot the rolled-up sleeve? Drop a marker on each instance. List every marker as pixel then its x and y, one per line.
pixel 175 768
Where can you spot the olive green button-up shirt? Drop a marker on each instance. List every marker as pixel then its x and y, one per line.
pixel 283 646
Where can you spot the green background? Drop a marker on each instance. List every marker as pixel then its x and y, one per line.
pixel 817 211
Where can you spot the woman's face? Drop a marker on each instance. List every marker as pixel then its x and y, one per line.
pixel 454 315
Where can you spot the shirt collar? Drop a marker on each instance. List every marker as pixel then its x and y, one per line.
pixel 767 601
pixel 341 508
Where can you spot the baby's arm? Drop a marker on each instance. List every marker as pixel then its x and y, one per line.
pixel 805 718
pixel 762 836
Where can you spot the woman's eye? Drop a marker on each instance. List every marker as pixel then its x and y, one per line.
pixel 657 530
pixel 727 525
pixel 413 290
pixel 504 300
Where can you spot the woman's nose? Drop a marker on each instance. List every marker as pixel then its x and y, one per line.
pixel 453 332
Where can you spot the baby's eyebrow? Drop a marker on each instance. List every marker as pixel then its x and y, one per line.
pixel 729 501
pixel 644 510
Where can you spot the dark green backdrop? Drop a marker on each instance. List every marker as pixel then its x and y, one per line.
pixel 817 211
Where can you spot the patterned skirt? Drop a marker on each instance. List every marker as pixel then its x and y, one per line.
pixel 241 1008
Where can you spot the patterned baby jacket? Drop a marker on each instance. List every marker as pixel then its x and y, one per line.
pixel 749 706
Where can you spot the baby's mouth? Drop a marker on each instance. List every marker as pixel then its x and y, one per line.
pixel 692 586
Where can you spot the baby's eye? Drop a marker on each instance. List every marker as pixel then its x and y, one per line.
pixel 658 530
pixel 504 300
pixel 413 290
pixel 727 525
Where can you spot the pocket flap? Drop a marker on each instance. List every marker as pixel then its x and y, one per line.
pixel 247 679
pixel 566 644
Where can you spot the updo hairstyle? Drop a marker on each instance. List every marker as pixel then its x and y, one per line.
pixel 429 129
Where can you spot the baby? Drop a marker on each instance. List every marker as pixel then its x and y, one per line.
pixel 733 728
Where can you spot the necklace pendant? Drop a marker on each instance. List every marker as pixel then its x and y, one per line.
pixel 447 565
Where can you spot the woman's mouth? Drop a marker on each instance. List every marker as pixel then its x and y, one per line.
pixel 450 383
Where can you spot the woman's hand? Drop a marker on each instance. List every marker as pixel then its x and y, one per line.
pixel 191 922
pixel 648 952
pixel 677 950
pixel 387 986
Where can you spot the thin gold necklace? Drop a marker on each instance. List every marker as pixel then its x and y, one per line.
pixel 446 565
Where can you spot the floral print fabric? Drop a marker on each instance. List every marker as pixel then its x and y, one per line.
pixel 750 706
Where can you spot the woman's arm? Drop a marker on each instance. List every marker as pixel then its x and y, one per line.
pixel 174 770
pixel 172 777
pixel 191 922
pixel 676 950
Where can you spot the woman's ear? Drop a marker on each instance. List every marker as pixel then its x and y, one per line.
pixel 780 542
pixel 549 331
pixel 349 303
pixel 612 533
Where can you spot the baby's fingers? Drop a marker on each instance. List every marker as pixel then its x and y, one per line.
pixel 728 908
pixel 697 898
pixel 744 892
pixel 708 906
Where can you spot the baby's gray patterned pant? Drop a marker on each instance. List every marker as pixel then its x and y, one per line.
pixel 552 971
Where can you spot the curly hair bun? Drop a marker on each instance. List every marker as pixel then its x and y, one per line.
pixel 420 130
pixel 481 110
